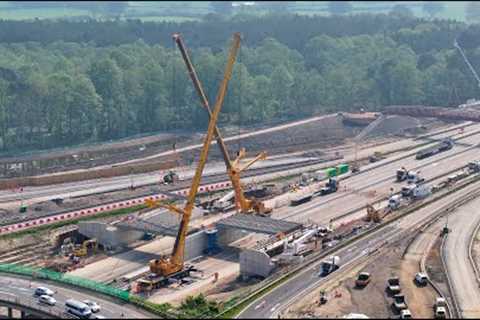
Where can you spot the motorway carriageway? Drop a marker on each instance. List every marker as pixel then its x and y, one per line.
pixel 24 289
pixel 307 279
pixel 385 172
pixel 82 188
pixel 336 208
pixel 462 225
pixel 381 179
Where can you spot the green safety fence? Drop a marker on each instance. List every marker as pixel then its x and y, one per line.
pixel 41 273
pixel 46 274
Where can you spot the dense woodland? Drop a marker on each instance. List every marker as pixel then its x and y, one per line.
pixel 64 83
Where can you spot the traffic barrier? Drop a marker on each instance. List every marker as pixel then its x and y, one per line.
pixel 101 208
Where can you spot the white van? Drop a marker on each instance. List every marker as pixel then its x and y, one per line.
pixel 77 308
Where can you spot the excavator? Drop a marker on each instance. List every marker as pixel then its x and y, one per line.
pixel 173 266
pixel 234 169
pixel 373 214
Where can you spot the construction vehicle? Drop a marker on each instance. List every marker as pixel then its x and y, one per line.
pixel 377 156
pixel 474 166
pixel 402 174
pixel 234 170
pixel 415 191
pixel 414 177
pixel 331 186
pixel 170 178
pixel 82 251
pixel 373 214
pixel 172 267
pixel 394 202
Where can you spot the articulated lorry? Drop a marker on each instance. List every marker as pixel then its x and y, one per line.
pixel 445 145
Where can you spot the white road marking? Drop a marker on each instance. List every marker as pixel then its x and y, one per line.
pixel 275 307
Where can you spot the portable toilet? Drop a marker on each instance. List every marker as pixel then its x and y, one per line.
pixel 342 168
pixel 331 172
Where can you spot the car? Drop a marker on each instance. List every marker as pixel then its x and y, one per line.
pixel 363 279
pixel 440 313
pixel 421 279
pixel 46 299
pixel 405 314
pixel 40 291
pixel 98 316
pixel 399 302
pixel 393 285
pixel 92 305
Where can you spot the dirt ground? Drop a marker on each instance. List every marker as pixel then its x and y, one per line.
pixel 372 300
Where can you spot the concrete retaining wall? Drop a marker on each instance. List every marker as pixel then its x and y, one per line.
pixel 255 263
pixel 108 235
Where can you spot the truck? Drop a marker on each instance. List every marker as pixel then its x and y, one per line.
pixel 301 199
pixel 402 174
pixel 414 177
pixel 416 191
pixel 445 145
pixel 394 201
pixel 474 166
pixel 329 265
pixel 330 187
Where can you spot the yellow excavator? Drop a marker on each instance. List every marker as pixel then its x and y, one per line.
pixel 234 169
pixel 173 266
pixel 83 250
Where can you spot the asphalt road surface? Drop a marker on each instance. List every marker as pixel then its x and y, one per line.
pixel 24 289
pixel 462 225
pixel 290 291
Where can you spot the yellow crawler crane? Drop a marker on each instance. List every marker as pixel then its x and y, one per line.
pixel 233 167
pixel 168 266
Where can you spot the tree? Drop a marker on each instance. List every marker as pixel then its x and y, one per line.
pixel 433 8
pixel 401 10
pixel 472 11
pixel 339 7
pixel 115 8
pixel 221 7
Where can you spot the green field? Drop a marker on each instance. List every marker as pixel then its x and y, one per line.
pixel 190 10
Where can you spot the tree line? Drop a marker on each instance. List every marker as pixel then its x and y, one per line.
pixel 61 86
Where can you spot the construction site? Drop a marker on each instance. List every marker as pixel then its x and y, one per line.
pixel 339 215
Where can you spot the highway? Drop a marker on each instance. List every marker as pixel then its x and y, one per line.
pixel 381 179
pixel 307 279
pixel 24 289
pixel 320 209
pixel 33 194
pixel 456 251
